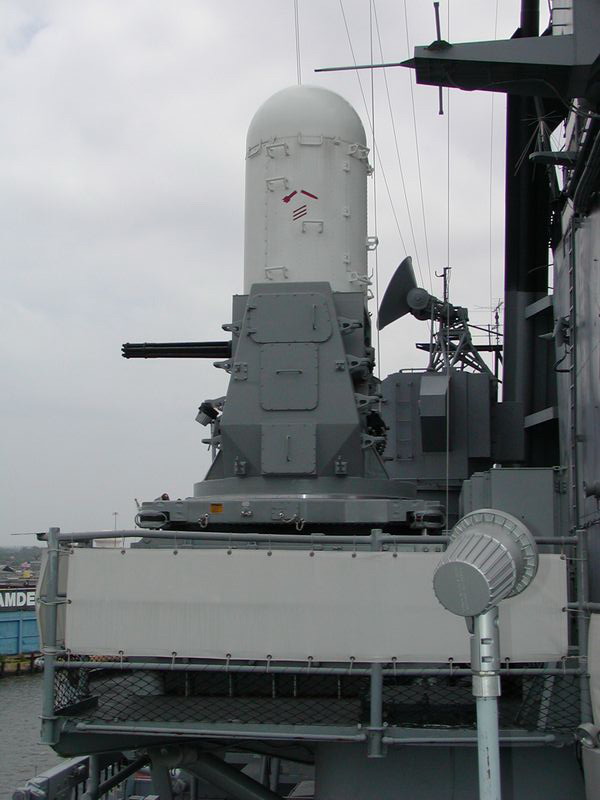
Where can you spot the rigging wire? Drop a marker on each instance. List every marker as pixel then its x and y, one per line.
pixel 375 231
pixel 297 35
pixel 448 153
pixel 379 159
pixel 447 278
pixel 414 116
pixel 448 177
pixel 493 97
pixel 389 100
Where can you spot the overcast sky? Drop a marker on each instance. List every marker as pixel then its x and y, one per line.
pixel 122 170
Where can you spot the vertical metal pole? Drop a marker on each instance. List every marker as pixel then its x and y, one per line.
pixel 530 17
pixel 485 664
pixel 438 33
pixel 438 28
pixel 375 745
pixel 161 781
pixel 375 539
pixel 274 773
pixel 488 749
pixel 49 650
pixel 93 777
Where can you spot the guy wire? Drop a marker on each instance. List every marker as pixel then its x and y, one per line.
pixel 297 35
pixel 375 231
pixel 447 273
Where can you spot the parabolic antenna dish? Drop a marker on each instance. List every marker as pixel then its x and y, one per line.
pixel 394 303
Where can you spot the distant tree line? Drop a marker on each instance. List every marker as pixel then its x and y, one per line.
pixel 20 554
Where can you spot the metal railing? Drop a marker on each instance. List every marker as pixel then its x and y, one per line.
pixel 378 703
pixel 82 778
pixel 308 701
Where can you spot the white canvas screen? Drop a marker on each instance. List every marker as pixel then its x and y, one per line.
pixel 291 605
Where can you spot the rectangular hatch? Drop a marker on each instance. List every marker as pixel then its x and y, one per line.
pixel 289 449
pixel 289 377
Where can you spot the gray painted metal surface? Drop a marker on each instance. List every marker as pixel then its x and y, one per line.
pixel 536 496
pixel 299 438
pixel 576 261
pixel 300 447
pixel 444 773
pixel 480 430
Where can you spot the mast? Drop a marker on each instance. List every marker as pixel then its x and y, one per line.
pixel 527 368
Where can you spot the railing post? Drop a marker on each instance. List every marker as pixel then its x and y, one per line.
pixel 274 773
pixel 375 740
pixel 93 777
pixel 97 788
pixel 375 743
pixel 49 650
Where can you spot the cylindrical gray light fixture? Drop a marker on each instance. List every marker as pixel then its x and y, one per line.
pixel 491 555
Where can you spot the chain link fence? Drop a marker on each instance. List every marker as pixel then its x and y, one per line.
pixel 543 703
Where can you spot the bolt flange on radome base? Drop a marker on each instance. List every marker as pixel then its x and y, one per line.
pixel 491 555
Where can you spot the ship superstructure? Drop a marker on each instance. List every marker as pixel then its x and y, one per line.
pixel 307 604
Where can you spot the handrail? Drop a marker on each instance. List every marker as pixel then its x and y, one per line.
pixel 274 538
pixel 312 669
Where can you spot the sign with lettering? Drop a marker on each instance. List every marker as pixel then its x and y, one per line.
pixel 17 600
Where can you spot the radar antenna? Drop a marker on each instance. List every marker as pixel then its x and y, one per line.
pixel 450 343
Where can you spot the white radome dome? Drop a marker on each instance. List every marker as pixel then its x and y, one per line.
pixel 306 110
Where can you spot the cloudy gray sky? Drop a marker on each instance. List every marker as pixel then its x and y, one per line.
pixel 122 170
